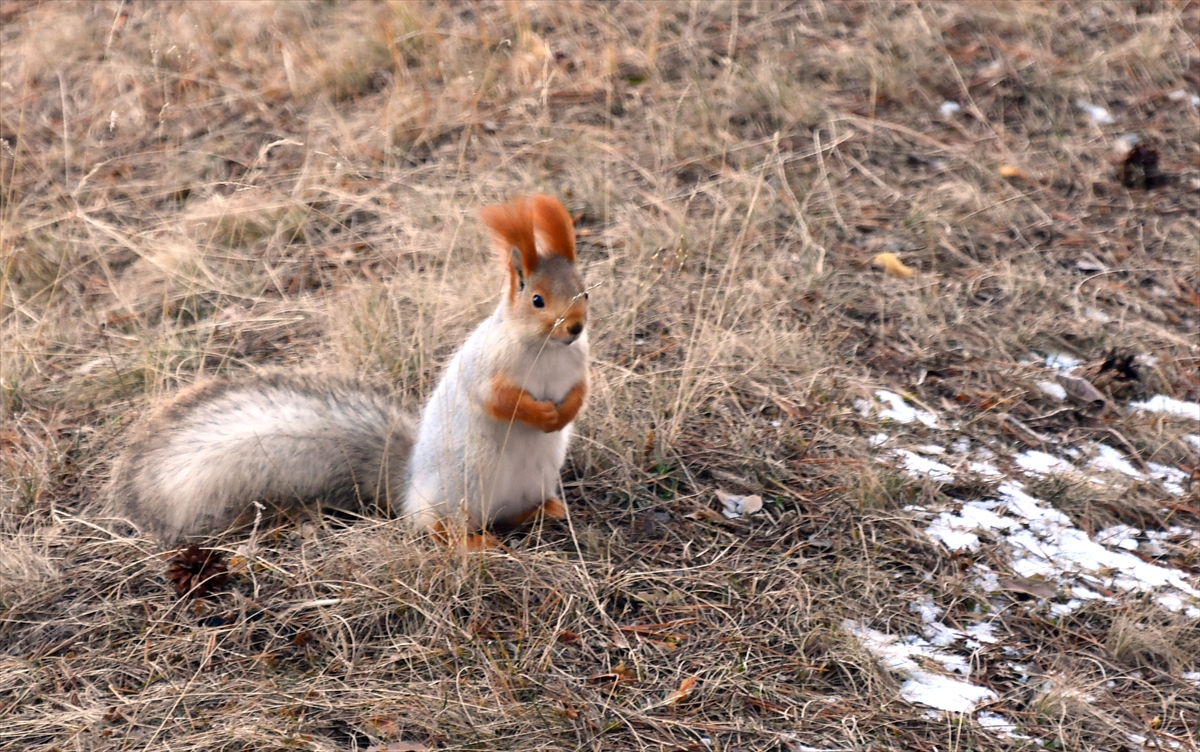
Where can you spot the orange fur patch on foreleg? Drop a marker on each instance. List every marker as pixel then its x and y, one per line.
pixel 509 402
pixel 571 405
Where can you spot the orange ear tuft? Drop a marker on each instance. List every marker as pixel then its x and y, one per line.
pixel 512 227
pixel 553 224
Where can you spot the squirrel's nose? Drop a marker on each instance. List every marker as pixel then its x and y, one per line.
pixel 575 329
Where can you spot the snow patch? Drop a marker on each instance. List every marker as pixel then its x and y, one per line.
pixel 1004 728
pixel 1039 549
pixel 900 411
pixel 1098 114
pixel 1062 362
pixel 1160 403
pixel 986 469
pixel 1171 478
pixel 1108 458
pixel 921 686
pixel 1054 389
pixel 1034 462
pixel 1179 95
pixel 1044 544
pixel 918 466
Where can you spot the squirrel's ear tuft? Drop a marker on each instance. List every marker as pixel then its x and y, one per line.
pixel 552 223
pixel 512 229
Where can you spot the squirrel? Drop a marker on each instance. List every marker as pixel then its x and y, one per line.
pixel 494 434
pixel 488 451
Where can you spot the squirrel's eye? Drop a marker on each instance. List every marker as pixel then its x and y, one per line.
pixel 538 302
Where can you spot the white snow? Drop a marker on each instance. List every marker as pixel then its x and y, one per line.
pixel 918 466
pixel 1096 315
pixel 1054 389
pixel 1024 537
pixel 1121 536
pixel 1062 609
pixel 1044 544
pixel 1098 114
pixel 1062 362
pixel 999 724
pixel 955 530
pixel 1178 95
pixel 924 687
pixel 900 411
pixel 928 610
pixel 949 108
pixel 983 632
pixel 1160 403
pixel 1172 478
pixel 1108 458
pixel 1034 462
pixel 986 469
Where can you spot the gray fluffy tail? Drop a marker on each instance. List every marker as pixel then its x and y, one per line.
pixel 198 465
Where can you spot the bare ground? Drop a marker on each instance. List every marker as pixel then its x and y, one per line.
pixel 194 188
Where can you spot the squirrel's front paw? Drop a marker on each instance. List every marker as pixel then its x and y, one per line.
pixel 544 415
pixel 569 408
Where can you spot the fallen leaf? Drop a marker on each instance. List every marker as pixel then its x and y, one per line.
pixel 684 691
pixel 703 513
pixel 736 506
pixel 302 638
pixel 1036 588
pixel 1080 390
pixel 890 263
pixel 617 675
pixel 386 725
pixel 1010 171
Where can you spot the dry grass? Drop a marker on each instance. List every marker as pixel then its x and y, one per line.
pixel 208 188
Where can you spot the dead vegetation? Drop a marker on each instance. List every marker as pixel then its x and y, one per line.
pixel 200 188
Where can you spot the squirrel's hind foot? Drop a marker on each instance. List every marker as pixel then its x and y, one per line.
pixel 551 508
pixel 459 538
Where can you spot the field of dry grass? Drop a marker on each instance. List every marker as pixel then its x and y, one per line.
pixel 198 188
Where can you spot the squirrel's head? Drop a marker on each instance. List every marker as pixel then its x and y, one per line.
pixel 536 241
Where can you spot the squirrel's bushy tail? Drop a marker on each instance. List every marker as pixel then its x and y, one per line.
pixel 198 465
